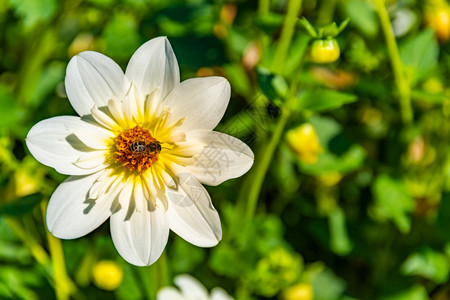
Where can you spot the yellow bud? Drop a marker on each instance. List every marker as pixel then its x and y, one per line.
pixel 324 51
pixel 437 16
pixel 331 178
pixel 300 291
pixel 25 184
pixel 107 275
pixel 305 142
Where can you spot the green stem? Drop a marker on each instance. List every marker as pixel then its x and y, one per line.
pixel 400 79
pixel 261 167
pixel 63 285
pixel 248 198
pixel 286 35
pixel 37 251
pixel 263 7
pixel 326 12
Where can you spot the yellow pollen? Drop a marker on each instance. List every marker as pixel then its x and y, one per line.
pixel 136 149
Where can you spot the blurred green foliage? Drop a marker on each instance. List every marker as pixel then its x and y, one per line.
pixel 369 220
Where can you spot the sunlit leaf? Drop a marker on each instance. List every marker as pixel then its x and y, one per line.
pixel 419 56
pixel 121 37
pixel 340 242
pixel 393 201
pixel 416 292
pixel 322 100
pixel 428 264
pixel 335 286
pixel 34 11
pixel 362 16
pixel 12 113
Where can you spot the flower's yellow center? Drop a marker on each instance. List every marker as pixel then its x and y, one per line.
pixel 136 149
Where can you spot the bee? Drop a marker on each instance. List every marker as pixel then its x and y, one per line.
pixel 142 147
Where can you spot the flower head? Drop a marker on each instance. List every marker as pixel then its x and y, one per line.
pixel 191 289
pixel 138 153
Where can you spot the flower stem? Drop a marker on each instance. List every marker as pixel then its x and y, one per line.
pixel 63 285
pixel 263 7
pixel 400 79
pixel 36 250
pixel 265 155
pixel 326 12
pixel 287 33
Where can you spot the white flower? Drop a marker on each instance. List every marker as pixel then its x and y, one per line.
pixel 139 152
pixel 191 289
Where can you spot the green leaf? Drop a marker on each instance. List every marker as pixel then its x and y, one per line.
pixel 101 2
pixel 340 242
pixel 51 76
pixel 325 277
pixel 269 22
pixel 308 27
pixel 238 79
pixel 121 37
pixel 392 201
pixel 434 98
pixel 186 255
pixel 329 162
pixel 13 252
pixel 326 128
pixel 416 292
pixel 20 206
pixel 428 264
pixel 323 100
pixel 343 25
pixel 331 30
pixel 129 289
pixel 419 56
pixel 273 86
pixel 34 11
pixel 226 261
pixel 11 112
pixel 362 15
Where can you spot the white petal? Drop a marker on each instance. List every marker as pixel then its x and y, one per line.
pixel 218 293
pixel 92 79
pixel 224 157
pixel 169 293
pixel 139 236
pixel 191 214
pixel 53 143
pixel 133 106
pixel 202 101
pixel 94 136
pixel 70 214
pixel 191 288
pixel 154 65
pixel 115 108
pixel 91 160
pixel 104 119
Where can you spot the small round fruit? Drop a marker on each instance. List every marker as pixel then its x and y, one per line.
pixel 324 51
pixel 107 275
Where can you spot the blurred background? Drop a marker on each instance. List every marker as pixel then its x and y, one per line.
pixel 349 197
